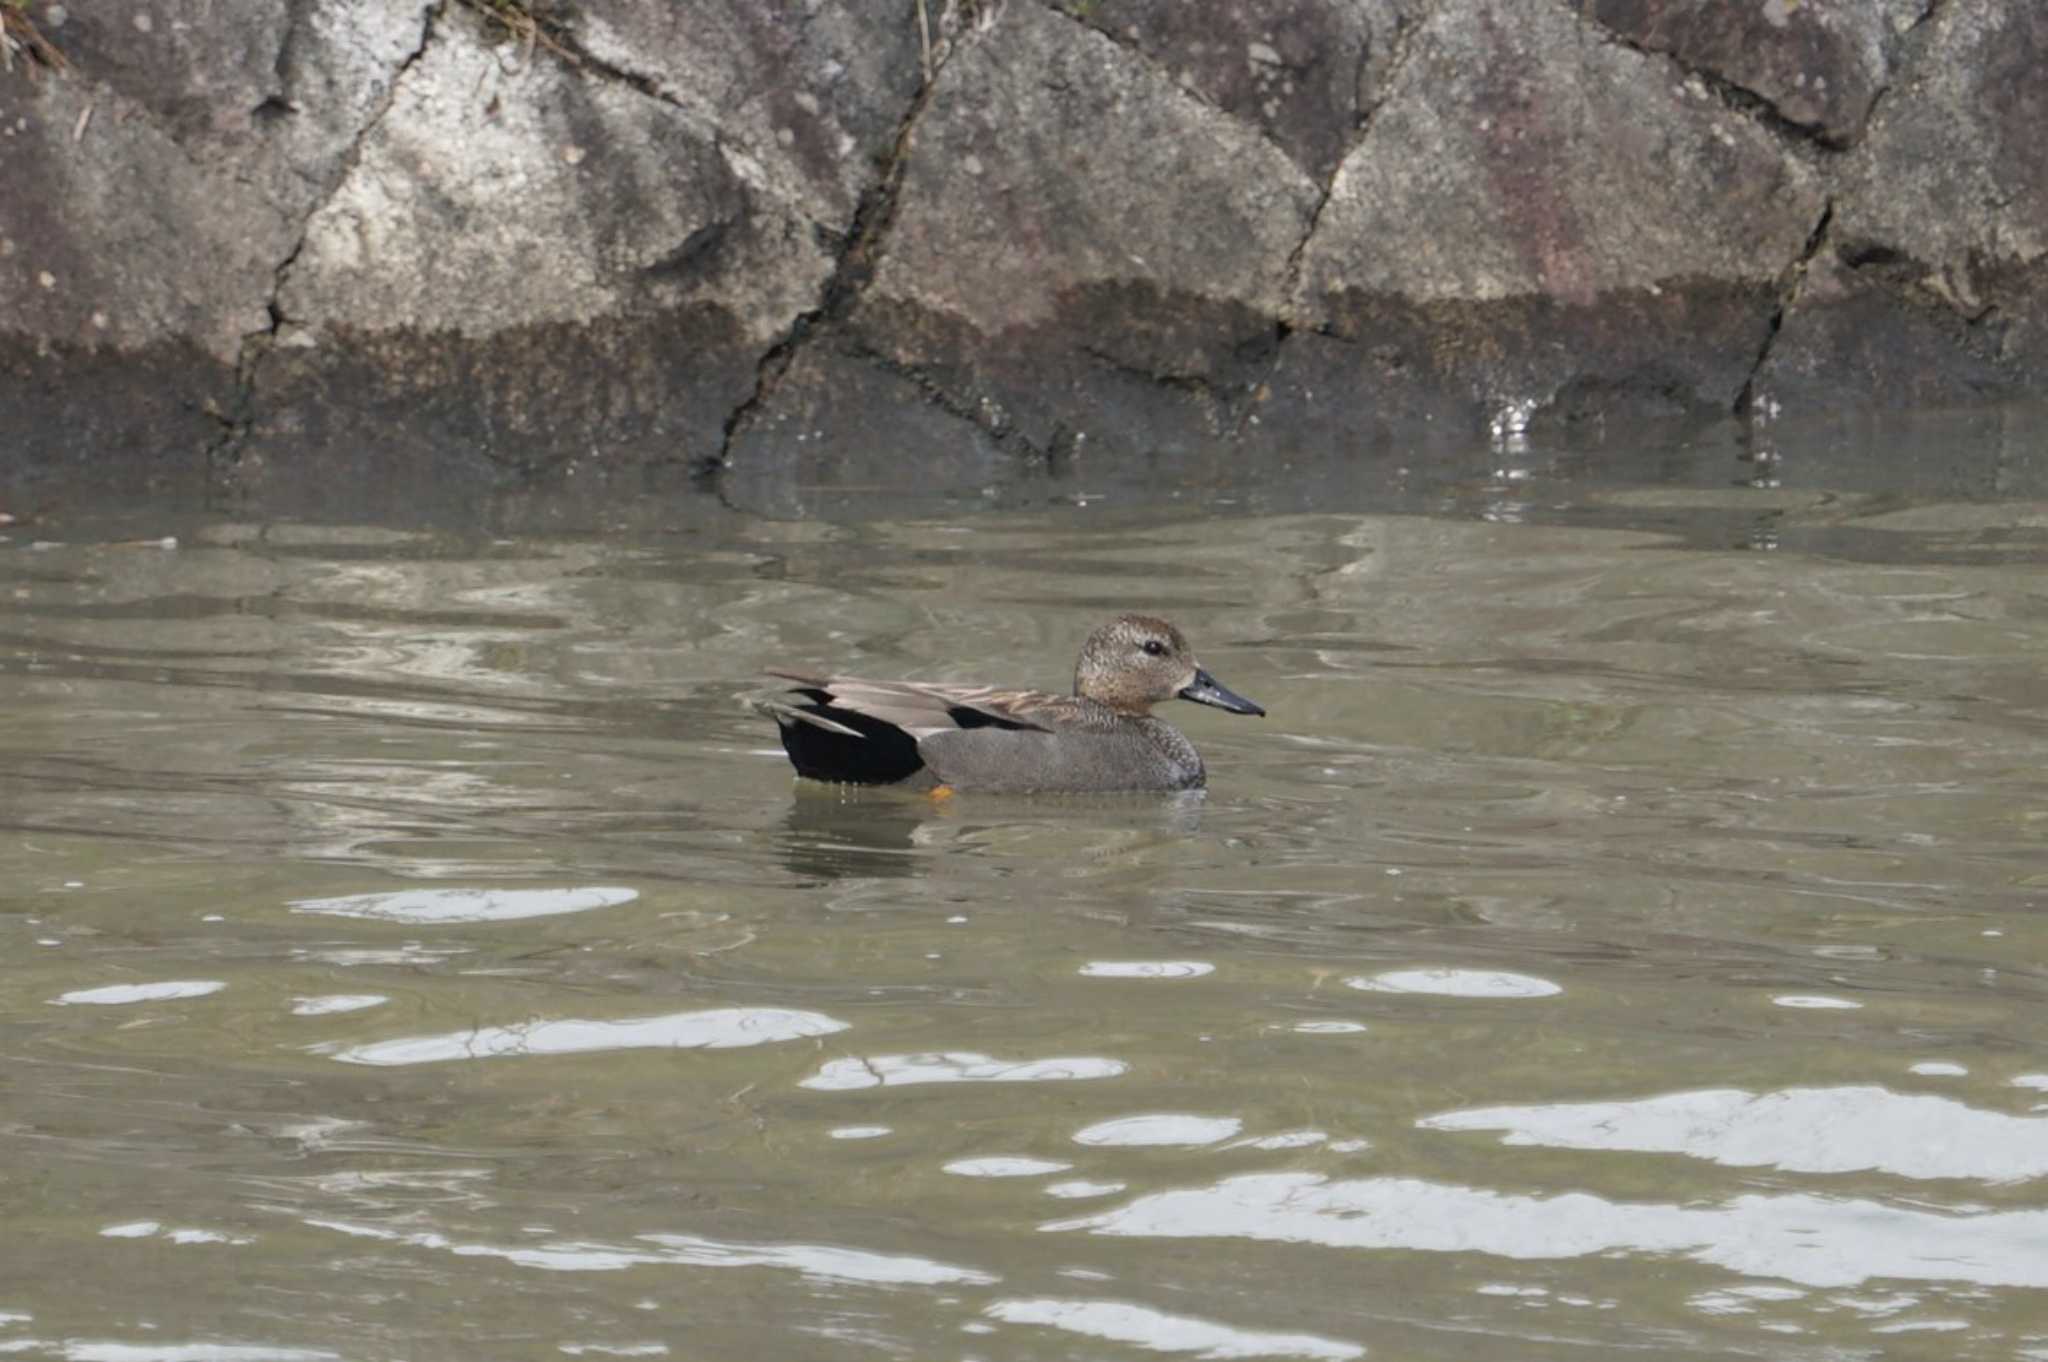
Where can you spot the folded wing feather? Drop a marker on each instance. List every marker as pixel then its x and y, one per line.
pixel 917 708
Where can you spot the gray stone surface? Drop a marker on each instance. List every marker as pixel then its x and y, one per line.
pixel 154 187
pixel 126 242
pixel 1514 158
pixel 774 247
pixel 537 261
pixel 1819 66
pixel 1079 247
pixel 271 95
pixel 812 94
pixel 174 162
pixel 1304 74
pixel 1934 278
pixel 1534 216
pixel 504 190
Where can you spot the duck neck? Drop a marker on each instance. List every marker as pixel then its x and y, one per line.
pixel 1123 705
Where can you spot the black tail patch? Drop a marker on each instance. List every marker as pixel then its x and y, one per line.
pixel 882 755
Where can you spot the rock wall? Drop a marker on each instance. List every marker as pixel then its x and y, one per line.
pixel 774 247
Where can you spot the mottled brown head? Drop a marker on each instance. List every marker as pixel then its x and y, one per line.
pixel 1135 661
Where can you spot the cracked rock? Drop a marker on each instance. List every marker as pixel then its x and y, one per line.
pixel 1535 218
pixel 1817 66
pixel 1934 282
pixel 530 262
pixel 1304 74
pixel 1060 198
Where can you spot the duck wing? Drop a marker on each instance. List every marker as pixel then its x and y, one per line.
pixel 919 709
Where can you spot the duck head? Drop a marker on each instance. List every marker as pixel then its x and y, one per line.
pixel 1135 661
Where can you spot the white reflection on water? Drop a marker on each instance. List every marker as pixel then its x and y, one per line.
pixel 1743 1300
pixel 954 1066
pixel 116 994
pixel 687 1250
pixel 1158 1331
pixel 329 1004
pixel 1162 1128
pixel 1286 1139
pixel 93 1350
pixel 1801 1130
pixel 1080 1187
pixel 411 953
pixel 188 1235
pixel 1005 1166
pixel 1147 969
pixel 721 1028
pixel 468 905
pixel 1457 983
pixel 1816 1001
pixel 1819 1241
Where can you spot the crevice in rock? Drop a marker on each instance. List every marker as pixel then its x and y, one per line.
pixel 1907 48
pixel 1193 92
pixel 1788 295
pixel 1404 45
pixel 1927 13
pixel 1290 319
pixel 1123 44
pixel 853 258
pixel 852 267
pixel 1732 95
pixel 706 474
pixel 1214 403
pixel 225 451
pixel 982 415
pixel 577 57
pixel 958 21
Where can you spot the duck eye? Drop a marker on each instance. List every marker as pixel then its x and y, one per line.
pixel 1154 648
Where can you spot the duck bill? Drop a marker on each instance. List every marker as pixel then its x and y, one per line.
pixel 1207 690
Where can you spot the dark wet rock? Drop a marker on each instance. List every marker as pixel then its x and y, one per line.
pixel 1157 376
pixel 847 430
pixel 1480 368
pixel 1820 67
pixel 1932 282
pixel 1536 220
pixel 124 296
pixel 1868 333
pixel 532 401
pixel 80 424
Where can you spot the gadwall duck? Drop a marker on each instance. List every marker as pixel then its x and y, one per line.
pixel 1101 738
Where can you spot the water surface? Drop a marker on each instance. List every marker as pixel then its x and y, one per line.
pixel 1623 937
